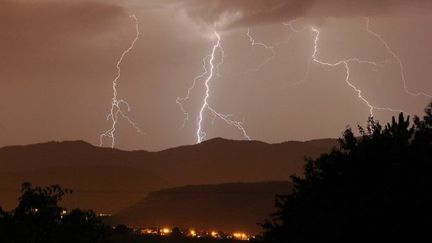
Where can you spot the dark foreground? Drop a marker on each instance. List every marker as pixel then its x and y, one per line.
pixel 376 185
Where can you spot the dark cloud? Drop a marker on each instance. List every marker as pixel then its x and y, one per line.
pixel 253 12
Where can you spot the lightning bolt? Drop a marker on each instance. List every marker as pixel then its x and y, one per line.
pixel 181 100
pixel 254 44
pixel 116 103
pixel 397 58
pixel 208 75
pixel 346 64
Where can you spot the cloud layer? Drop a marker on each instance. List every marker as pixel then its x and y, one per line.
pixel 253 12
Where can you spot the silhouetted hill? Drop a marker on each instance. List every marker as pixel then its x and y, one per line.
pixel 109 179
pixel 229 207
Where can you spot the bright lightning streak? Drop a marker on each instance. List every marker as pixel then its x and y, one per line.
pixel 225 118
pixel 254 43
pixel 397 58
pixel 345 64
pixel 181 100
pixel 116 104
pixel 209 74
pixel 239 125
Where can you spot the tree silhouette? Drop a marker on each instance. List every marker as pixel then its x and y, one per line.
pixel 39 219
pixel 37 215
pixel 84 227
pixel 376 186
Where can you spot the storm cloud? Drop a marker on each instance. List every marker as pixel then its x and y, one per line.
pixel 228 13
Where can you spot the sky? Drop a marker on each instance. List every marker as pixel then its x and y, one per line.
pixel 58 62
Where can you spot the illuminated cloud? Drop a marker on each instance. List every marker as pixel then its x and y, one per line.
pixel 254 12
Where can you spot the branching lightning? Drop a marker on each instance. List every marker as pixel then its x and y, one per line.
pixel 254 44
pixel 116 103
pixel 209 74
pixel 397 58
pixel 345 63
pixel 181 100
pixel 209 67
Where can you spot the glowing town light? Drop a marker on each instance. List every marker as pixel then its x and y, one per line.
pixel 214 234
pixel 192 233
pixel 165 231
pixel 116 103
pixel 240 236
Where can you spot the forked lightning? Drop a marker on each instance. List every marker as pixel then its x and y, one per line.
pixel 208 75
pixel 116 103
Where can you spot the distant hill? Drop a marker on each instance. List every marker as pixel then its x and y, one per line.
pixel 228 207
pixel 108 180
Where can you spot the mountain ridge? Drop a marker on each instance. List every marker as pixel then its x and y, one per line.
pixel 229 207
pixel 108 179
pixel 212 140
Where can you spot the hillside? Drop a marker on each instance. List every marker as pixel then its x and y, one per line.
pixel 108 180
pixel 228 207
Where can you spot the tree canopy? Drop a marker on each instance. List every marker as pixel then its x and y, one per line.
pixel 38 218
pixel 375 186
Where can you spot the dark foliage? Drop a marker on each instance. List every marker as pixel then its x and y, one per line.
pixel 374 187
pixel 39 219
